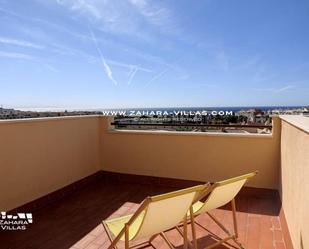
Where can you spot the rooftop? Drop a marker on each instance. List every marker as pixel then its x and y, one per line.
pixel 73 172
pixel 75 221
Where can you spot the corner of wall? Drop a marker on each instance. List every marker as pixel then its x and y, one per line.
pixel 104 126
pixel 276 133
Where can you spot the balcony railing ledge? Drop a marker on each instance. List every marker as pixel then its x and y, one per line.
pixel 26 120
pixel 186 133
pixel 298 121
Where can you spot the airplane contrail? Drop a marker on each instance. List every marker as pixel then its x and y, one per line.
pixel 132 74
pixel 107 68
pixel 157 76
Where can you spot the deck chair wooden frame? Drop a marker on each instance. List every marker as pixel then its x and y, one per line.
pixel 143 209
pixel 207 194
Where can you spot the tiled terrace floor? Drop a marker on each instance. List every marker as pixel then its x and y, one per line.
pixel 75 221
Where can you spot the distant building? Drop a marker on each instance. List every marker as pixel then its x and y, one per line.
pixel 253 115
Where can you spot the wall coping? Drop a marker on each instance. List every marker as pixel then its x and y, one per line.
pixel 186 133
pixel 139 132
pixel 299 121
pixel 28 120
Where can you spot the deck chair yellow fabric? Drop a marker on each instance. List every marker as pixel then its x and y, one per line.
pixel 217 195
pixel 155 215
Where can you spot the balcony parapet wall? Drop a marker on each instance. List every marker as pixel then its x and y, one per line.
pixel 294 177
pixel 39 156
pixel 194 156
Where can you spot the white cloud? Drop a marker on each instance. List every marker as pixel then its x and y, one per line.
pixel 67 51
pixel 154 14
pixel 128 66
pixel 276 90
pixel 21 56
pixel 39 34
pixel 106 15
pixel 285 88
pixel 122 16
pixel 115 17
pixel 20 43
pixel 85 6
pixel 52 68
pixel 15 55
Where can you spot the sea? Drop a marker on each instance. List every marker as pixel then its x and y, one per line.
pixel 195 109
pixel 168 109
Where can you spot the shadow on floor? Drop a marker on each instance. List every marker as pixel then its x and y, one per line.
pixel 62 224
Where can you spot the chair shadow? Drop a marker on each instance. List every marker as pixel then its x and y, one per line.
pixel 253 205
pixel 65 222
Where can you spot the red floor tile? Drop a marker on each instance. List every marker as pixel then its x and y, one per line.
pixel 253 232
pixel 278 236
pixel 279 245
pixel 75 221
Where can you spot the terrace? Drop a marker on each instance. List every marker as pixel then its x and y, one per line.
pixel 73 172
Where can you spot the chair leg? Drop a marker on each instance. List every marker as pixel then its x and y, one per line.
pixel 126 236
pixel 193 228
pixel 234 236
pixel 235 224
pixel 185 233
pixel 238 243
pixel 182 234
pixel 207 230
pixel 234 218
pixel 219 224
pixel 113 242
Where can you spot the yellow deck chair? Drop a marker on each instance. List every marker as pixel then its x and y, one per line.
pixel 217 195
pixel 156 215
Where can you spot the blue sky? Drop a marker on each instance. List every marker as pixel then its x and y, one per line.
pixel 142 53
